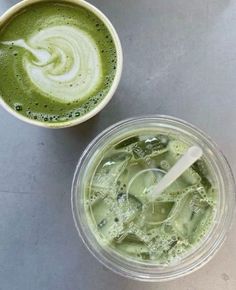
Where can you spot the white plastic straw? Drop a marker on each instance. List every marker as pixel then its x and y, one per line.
pixel 191 156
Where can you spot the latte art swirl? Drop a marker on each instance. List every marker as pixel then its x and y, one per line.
pixel 62 61
pixel 59 62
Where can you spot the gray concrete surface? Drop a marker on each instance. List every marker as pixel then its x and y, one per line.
pixel 179 59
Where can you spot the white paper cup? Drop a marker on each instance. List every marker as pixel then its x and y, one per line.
pixel 14 9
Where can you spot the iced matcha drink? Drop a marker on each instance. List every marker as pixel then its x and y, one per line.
pixel 116 203
pixel 119 209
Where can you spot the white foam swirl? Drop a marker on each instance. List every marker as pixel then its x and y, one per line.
pixel 67 63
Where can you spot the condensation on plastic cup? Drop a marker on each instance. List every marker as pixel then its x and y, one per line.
pixel 24 3
pixel 211 243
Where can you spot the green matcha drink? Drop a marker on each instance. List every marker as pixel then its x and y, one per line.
pixel 112 195
pixel 58 61
pixel 120 212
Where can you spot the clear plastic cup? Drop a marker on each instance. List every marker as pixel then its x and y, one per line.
pixel 209 245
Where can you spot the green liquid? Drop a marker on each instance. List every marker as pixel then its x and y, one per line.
pixel 118 209
pixel 46 89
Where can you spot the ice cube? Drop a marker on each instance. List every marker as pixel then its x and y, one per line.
pixel 141 183
pixel 109 170
pixel 134 249
pixel 127 142
pixel 203 226
pixel 150 146
pixel 190 211
pixel 157 212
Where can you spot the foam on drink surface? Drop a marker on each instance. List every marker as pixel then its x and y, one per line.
pixel 66 64
pixel 58 61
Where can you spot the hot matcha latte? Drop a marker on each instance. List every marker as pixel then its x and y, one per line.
pixel 58 61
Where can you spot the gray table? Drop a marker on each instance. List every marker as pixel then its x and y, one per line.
pixel 179 59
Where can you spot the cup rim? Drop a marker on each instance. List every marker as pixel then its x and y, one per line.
pixel 213 245
pixel 59 125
